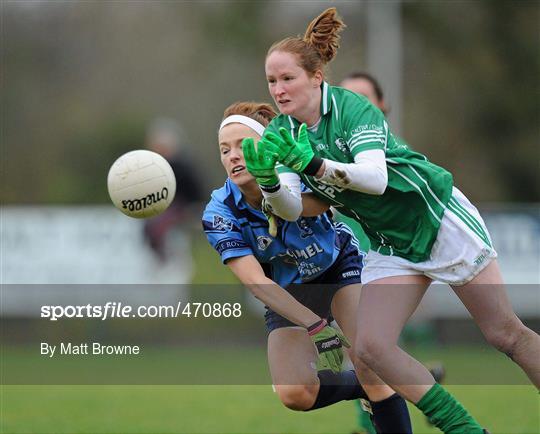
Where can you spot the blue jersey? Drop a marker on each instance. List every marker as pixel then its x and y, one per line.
pixel 301 251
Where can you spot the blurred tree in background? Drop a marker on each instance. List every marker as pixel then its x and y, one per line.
pixel 472 84
pixel 81 81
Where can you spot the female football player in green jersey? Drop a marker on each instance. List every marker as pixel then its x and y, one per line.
pixel 304 272
pixel 421 228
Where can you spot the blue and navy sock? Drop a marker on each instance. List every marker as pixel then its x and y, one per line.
pixel 335 387
pixel 391 415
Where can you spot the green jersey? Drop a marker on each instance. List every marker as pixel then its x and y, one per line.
pixel 356 228
pixel 405 219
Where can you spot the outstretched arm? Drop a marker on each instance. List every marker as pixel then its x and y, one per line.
pixel 251 274
pixel 327 340
pixel 368 173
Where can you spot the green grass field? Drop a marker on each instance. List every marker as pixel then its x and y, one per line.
pixel 225 409
pixel 512 406
pixel 244 408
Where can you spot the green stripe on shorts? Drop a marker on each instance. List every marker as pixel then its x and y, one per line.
pixel 470 221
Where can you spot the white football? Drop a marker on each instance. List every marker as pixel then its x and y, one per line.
pixel 141 184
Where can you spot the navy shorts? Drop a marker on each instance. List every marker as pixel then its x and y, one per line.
pixel 317 295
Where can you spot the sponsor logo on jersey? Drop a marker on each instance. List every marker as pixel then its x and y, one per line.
pixel 372 127
pixel 230 244
pixel 308 270
pixel 329 190
pixel 309 252
pixel 292 257
pixel 263 242
pixel 221 224
pixel 321 147
pixel 287 258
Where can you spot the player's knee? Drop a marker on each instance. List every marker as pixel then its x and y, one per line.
pixel 361 367
pixel 298 397
pixel 368 348
pixel 357 362
pixel 506 336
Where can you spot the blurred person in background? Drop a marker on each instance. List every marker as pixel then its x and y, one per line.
pixel 167 234
pixel 366 84
pixel 305 273
pixel 421 227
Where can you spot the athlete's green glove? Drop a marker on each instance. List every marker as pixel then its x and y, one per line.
pixel 260 162
pixel 296 154
pixel 329 343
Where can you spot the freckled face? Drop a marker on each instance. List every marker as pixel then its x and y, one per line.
pixel 230 149
pixel 292 89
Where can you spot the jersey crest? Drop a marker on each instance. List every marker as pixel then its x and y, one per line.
pixel 305 229
pixel 341 144
pixel 221 224
pixel 263 242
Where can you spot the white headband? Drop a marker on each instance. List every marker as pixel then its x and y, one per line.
pixel 244 120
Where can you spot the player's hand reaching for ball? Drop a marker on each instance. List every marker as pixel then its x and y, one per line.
pixel 260 162
pixel 329 343
pixel 295 154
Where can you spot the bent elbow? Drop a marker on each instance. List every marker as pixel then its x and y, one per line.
pixel 375 190
pixel 379 189
pixel 382 182
pixel 376 186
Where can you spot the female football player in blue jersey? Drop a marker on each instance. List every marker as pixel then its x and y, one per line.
pixel 304 272
pixel 421 228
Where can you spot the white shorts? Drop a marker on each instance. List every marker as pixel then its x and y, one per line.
pixel 463 248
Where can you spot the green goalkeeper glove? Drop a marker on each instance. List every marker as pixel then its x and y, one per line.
pixel 329 343
pixel 296 154
pixel 260 162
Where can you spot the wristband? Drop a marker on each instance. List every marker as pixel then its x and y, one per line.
pixel 313 166
pixel 315 328
pixel 270 188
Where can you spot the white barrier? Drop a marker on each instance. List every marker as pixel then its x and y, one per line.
pixel 81 245
pixel 98 245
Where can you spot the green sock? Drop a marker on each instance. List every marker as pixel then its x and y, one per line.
pixel 446 413
pixel 364 419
